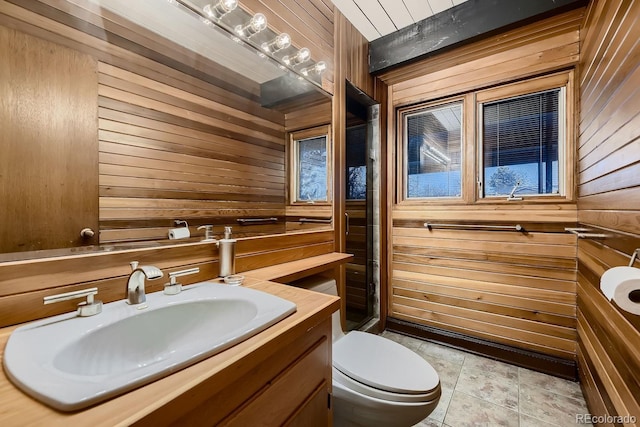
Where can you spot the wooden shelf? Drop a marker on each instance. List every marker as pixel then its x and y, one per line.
pixel 293 270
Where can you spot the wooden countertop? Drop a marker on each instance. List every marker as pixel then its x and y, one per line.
pixel 18 409
pixel 293 270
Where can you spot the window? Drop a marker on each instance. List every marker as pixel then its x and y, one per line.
pixel 310 166
pixel 501 144
pixel 432 147
pixel 522 141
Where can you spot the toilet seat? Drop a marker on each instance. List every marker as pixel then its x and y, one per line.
pixel 349 385
pixel 380 368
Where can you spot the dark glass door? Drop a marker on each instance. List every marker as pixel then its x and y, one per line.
pixel 360 286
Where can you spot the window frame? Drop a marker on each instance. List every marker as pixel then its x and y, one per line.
pixel 293 183
pixel 562 81
pixel 471 150
pixel 402 156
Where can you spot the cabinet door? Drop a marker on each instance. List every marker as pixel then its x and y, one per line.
pixel 314 412
pixel 290 392
pixel 48 144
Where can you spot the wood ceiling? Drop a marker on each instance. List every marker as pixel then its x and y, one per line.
pixel 377 18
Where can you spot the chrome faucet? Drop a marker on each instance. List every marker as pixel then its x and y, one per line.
pixel 134 293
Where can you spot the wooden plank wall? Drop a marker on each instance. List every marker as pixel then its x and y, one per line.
pixel 506 287
pixel 167 154
pixel 501 286
pixel 609 202
pixel 309 116
pixel 356 273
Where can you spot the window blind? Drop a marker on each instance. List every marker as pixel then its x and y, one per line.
pixel 521 144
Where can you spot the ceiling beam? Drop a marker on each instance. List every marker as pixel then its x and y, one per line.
pixel 464 23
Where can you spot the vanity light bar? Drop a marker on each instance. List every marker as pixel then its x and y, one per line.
pixel 257 23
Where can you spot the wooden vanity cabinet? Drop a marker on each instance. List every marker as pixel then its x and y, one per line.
pixel 300 391
pixel 287 384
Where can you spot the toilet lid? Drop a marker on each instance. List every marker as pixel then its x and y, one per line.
pixel 383 364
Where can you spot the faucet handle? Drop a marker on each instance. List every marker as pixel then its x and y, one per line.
pixel 134 265
pixel 173 287
pixel 184 272
pixel 86 308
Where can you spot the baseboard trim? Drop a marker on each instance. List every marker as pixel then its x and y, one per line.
pixel 563 368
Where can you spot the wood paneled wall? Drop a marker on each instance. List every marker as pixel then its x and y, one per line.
pixel 502 286
pixel 609 202
pixel 515 289
pixel 308 116
pixel 166 153
pixel 356 273
pixel 354 49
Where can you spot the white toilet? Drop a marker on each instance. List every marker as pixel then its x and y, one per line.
pixel 376 381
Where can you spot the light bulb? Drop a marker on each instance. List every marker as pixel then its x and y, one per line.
pixel 220 9
pixel 282 41
pixel 256 24
pixel 303 55
pixel 317 68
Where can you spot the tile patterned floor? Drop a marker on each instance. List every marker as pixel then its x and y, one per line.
pixel 481 392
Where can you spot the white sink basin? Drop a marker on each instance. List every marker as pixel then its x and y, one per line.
pixel 71 362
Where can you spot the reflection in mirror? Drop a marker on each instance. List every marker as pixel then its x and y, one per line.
pixel 120 119
pixel 311 172
pixel 222 31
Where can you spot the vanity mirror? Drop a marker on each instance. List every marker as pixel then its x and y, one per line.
pixel 122 117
